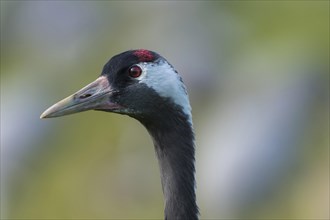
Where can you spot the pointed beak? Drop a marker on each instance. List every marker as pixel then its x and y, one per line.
pixel 95 95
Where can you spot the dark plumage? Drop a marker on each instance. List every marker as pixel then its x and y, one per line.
pixel 143 85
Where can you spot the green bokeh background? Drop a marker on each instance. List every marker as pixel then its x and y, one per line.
pixel 233 56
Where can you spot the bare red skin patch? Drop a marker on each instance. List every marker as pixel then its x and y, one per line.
pixel 144 55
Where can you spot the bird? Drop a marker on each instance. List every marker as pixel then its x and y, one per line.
pixel 142 84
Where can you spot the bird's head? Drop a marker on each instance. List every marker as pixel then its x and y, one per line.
pixel 138 83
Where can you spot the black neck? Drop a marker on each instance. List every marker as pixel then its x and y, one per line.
pixel 173 138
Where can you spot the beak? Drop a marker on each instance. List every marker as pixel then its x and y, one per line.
pixel 95 95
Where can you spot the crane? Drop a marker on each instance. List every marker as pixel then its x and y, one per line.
pixel 145 86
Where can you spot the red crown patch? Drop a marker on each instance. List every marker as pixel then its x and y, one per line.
pixel 144 55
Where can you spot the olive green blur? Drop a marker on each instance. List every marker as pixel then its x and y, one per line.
pixel 257 74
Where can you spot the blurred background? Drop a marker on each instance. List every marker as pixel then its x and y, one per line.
pixel 258 78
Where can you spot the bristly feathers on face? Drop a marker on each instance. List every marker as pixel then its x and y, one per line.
pixel 157 74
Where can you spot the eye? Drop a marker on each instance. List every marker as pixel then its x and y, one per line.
pixel 135 71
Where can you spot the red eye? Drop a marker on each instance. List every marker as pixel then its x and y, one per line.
pixel 135 71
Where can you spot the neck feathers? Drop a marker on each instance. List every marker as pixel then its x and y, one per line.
pixel 174 144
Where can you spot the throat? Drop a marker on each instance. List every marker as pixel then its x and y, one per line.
pixel 174 145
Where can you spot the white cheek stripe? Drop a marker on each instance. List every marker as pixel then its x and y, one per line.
pixel 164 80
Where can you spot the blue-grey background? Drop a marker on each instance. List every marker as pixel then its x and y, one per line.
pixel 258 78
